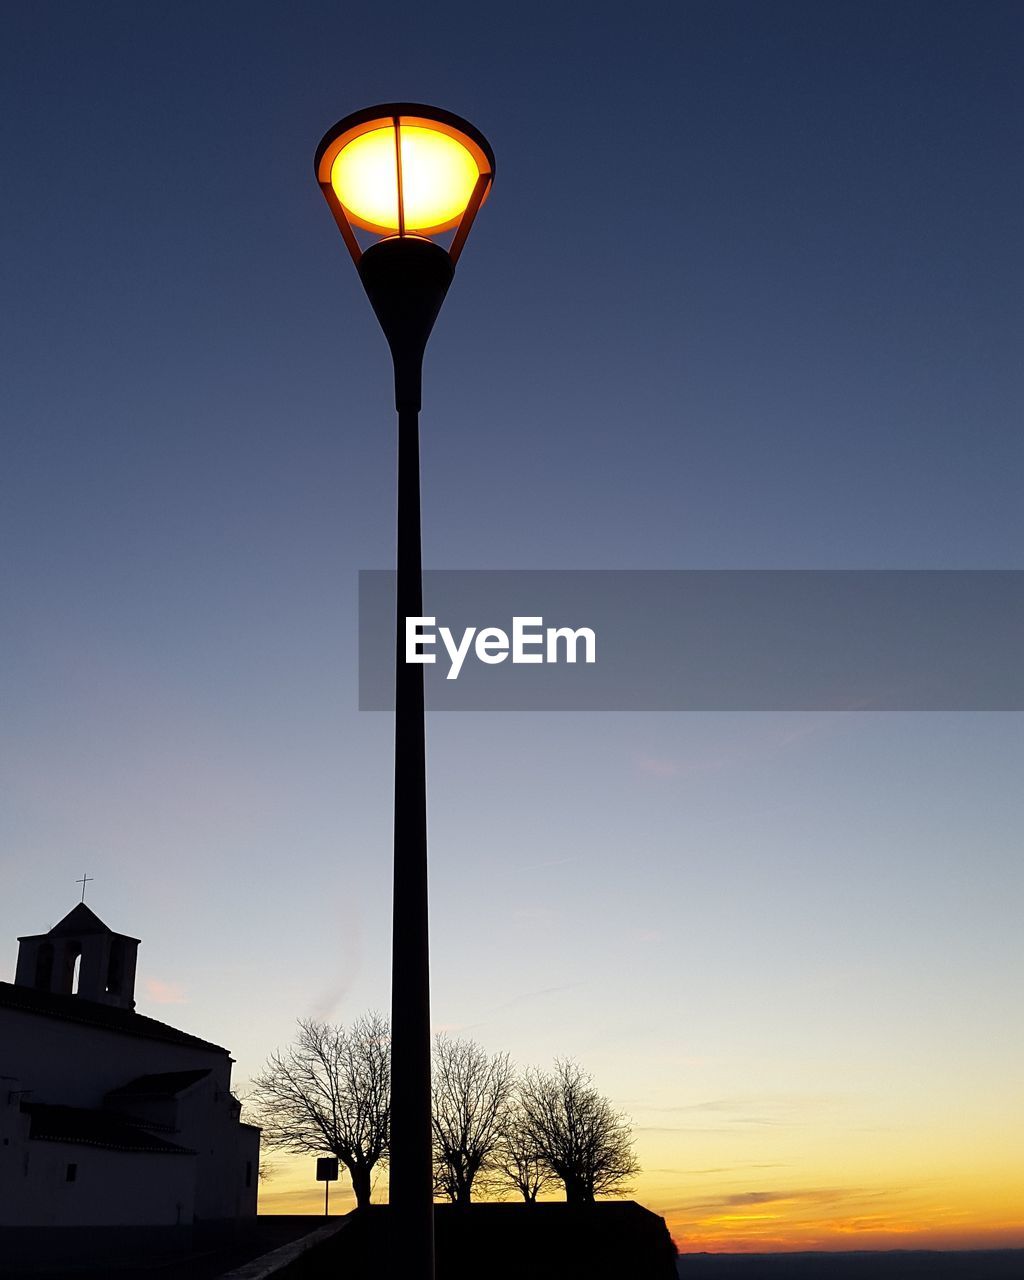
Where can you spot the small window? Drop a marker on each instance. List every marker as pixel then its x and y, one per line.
pixel 71 1173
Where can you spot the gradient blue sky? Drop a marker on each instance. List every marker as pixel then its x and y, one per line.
pixel 747 294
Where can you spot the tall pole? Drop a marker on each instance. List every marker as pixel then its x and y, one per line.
pixel 406 276
pixel 406 281
pixel 412 1180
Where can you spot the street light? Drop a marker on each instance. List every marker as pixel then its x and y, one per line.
pixel 407 175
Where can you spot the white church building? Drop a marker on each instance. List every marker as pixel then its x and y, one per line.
pixel 109 1118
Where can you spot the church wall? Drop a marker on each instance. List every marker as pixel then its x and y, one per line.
pixel 28 960
pixel 58 1184
pixel 129 963
pixel 247 1142
pixel 75 1065
pixel 14 1126
pixel 228 1168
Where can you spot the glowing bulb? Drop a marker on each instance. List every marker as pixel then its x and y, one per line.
pixel 438 178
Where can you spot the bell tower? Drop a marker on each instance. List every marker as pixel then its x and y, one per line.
pixel 80 956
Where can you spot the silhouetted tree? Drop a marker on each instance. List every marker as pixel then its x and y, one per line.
pixel 331 1092
pixel 517 1159
pixel 472 1090
pixel 576 1133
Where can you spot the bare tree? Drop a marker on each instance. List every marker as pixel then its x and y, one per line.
pixel 472 1090
pixel 576 1133
pixel 331 1092
pixel 516 1158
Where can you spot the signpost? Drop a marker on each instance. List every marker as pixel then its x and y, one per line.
pixel 327 1172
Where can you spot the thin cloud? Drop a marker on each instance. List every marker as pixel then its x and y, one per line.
pixel 325 1002
pixel 775 1102
pixel 323 1006
pixel 508 1004
pixel 541 866
pixel 755 746
pixel 769 1111
pixel 663 767
pixel 685 1128
pixel 775 1196
pixel 165 992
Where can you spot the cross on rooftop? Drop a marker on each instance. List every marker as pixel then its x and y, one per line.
pixel 86 879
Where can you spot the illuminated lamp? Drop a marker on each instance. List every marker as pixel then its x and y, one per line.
pixel 405 176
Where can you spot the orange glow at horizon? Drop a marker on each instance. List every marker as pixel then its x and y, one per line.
pixel 831 1220
pixel 792 1227
pixel 438 177
pixel 795 1168
pixel 890 1205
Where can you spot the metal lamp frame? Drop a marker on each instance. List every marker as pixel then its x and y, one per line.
pixel 394 115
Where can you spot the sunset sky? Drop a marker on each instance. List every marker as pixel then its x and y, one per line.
pixel 747 294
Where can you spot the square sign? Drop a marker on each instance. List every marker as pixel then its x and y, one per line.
pixel 327 1169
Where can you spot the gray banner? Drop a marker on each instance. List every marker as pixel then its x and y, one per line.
pixel 705 640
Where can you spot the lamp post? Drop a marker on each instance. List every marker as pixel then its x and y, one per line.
pixel 408 175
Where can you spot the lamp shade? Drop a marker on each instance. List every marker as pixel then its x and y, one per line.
pixel 404 169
